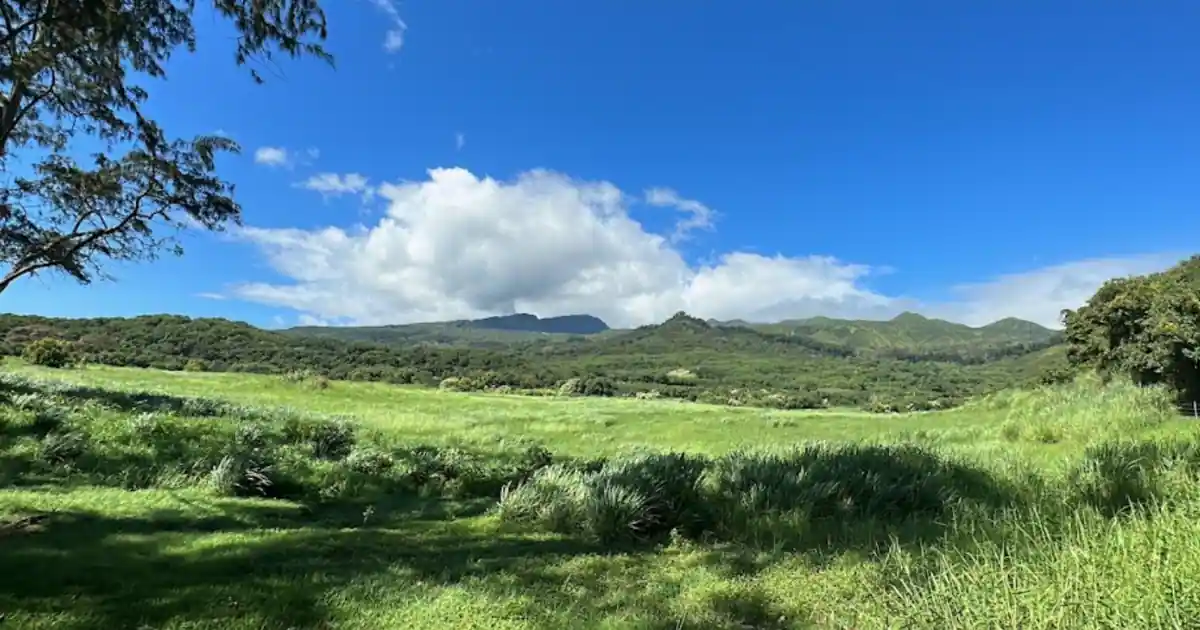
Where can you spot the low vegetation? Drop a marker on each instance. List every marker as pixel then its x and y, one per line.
pixel 172 500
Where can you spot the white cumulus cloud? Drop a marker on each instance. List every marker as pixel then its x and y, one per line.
pixel 279 157
pixel 1040 295
pixel 336 185
pixel 697 216
pixel 393 38
pixel 457 245
pixel 271 156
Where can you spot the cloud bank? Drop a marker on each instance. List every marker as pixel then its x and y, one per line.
pixel 457 245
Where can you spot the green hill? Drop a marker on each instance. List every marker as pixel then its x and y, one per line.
pixel 907 336
pixel 683 357
pixel 487 332
pixel 910 331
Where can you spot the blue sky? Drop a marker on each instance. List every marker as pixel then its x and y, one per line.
pixel 764 160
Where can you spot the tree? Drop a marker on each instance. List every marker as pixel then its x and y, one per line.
pixel 1145 327
pixel 54 353
pixel 68 70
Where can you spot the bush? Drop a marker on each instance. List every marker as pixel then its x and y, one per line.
pixel 587 386
pixel 681 375
pixel 454 384
pixel 195 365
pixel 571 387
pixel 307 377
pixel 48 352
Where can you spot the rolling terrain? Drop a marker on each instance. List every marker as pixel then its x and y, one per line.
pixel 907 332
pixel 684 358
pixel 491 332
pixel 147 498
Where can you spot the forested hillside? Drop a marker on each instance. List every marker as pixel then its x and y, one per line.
pixel 907 336
pixel 489 332
pixel 683 358
pixel 913 335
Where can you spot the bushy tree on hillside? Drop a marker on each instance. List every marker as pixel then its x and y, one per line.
pixel 70 68
pixel 1146 327
pixel 53 353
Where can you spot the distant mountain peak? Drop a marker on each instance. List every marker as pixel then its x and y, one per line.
pixel 909 316
pixel 1015 324
pixel 682 318
pixel 528 322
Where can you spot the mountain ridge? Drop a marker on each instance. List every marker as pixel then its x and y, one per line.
pixel 683 357
pixel 905 332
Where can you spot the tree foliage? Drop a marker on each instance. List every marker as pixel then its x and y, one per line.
pixel 49 352
pixel 72 70
pixel 731 366
pixel 1146 327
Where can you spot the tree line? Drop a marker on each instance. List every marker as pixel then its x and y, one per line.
pixel 715 365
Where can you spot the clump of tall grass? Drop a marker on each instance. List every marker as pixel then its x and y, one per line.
pixel 1085 410
pixel 1126 476
pixel 1087 571
pixel 327 439
pixel 650 495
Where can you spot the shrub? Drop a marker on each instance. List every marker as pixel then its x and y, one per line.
pixel 587 386
pixel 571 387
pixel 307 377
pixel 454 384
pixel 195 365
pixel 681 375
pixel 878 405
pixel 49 352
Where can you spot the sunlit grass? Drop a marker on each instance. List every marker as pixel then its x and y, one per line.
pixel 1063 518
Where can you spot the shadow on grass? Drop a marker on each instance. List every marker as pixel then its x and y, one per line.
pixel 129 402
pixel 263 567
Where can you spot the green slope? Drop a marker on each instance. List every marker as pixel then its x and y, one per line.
pixel 488 332
pixel 912 332
pixel 905 335
pixel 682 358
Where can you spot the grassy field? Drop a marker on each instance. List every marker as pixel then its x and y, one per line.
pixel 145 502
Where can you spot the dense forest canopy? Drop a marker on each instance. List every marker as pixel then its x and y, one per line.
pixel 1145 327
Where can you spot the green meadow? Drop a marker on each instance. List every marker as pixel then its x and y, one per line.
pixel 151 499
